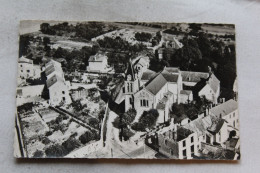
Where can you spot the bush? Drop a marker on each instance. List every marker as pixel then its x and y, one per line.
pixel 86 137
pixel 93 122
pixel 143 36
pixel 38 154
pixel 55 151
pixel 45 140
pixel 126 133
pixel 147 120
pixel 71 144
pixel 138 127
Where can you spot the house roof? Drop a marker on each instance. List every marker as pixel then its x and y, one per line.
pixel 25 60
pixel 155 84
pixel 178 119
pixel 186 92
pixel 54 79
pixel 97 58
pixel 216 126
pixel 200 125
pixel 160 106
pixel 53 66
pixel 191 76
pixel 182 133
pixel 232 142
pixel 148 74
pixel 213 82
pixel 224 108
pixel 142 60
pixel 172 69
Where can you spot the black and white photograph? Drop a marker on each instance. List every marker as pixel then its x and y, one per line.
pixel 132 90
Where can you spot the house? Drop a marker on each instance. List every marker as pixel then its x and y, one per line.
pixel 98 63
pixel 27 69
pixel 28 94
pixel 191 78
pixel 208 88
pixel 233 144
pixel 79 93
pixel 58 90
pixel 218 133
pixel 227 111
pixel 141 64
pixel 175 143
pixel 57 87
pixel 158 93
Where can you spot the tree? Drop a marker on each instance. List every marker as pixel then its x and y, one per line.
pixel 70 144
pixel 55 151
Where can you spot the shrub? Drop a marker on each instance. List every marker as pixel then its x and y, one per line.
pixel 93 122
pixel 71 144
pixel 147 120
pixel 126 133
pixel 55 151
pixel 45 140
pixel 38 154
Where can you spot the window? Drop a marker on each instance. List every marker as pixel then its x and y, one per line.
pixel 63 92
pixel 21 65
pixel 28 71
pixel 171 151
pixel 229 116
pixel 144 103
pixel 234 114
pixel 21 70
pixel 184 153
pixel 166 142
pixel 184 143
pixel 191 139
pixel 192 148
pixel 63 98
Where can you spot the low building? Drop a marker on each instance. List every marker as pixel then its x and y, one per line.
pixel 28 94
pixel 58 91
pixel 227 111
pixel 79 93
pixel 98 63
pixel 27 69
pixel 212 89
pixel 57 87
pixel 176 143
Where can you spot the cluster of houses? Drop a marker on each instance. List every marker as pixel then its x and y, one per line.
pixel 50 87
pixel 145 89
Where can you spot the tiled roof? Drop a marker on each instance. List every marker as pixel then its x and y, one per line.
pixel 160 106
pixel 170 77
pixel 224 108
pixel 232 142
pixel 53 66
pixel 54 79
pixel 216 126
pixel 155 84
pixel 25 60
pixel 97 58
pixel 190 76
pixel 182 133
pixel 148 74
pixel 172 69
pixel 186 92
pixel 200 125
